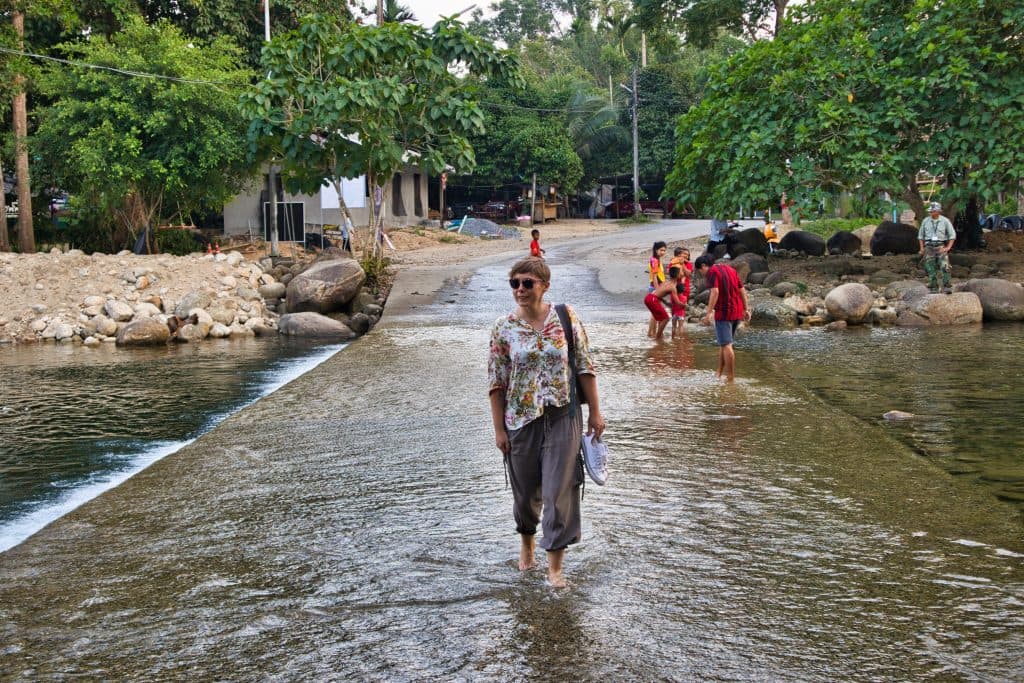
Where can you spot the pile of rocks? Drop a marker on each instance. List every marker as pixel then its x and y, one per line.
pixel 868 294
pixel 134 300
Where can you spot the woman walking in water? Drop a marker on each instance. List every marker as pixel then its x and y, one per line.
pixel 535 427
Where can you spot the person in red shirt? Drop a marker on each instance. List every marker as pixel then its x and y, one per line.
pixel 535 249
pixel 728 305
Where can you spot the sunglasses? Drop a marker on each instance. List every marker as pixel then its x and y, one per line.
pixel 526 282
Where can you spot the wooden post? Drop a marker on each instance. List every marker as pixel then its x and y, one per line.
pixel 533 201
pixel 19 111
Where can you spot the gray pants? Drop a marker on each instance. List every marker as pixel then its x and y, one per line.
pixel 546 474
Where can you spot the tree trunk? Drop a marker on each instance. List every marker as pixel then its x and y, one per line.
pixel 913 197
pixel 780 13
pixel 5 240
pixel 26 234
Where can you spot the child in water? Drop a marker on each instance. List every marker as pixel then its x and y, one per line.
pixel 683 271
pixel 535 249
pixel 656 275
pixel 655 304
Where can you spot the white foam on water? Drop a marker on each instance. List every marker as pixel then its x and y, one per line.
pixel 17 530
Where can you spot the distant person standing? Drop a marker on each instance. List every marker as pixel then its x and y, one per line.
pixel 727 306
pixel 936 237
pixel 535 250
pixel 719 230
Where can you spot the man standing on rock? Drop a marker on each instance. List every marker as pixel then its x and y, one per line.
pixel 936 237
pixel 727 305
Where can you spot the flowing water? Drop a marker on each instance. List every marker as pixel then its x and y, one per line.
pixel 354 525
pixel 77 422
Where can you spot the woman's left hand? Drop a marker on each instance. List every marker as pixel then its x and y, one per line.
pixel 595 424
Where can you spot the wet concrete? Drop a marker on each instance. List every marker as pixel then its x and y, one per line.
pixel 355 525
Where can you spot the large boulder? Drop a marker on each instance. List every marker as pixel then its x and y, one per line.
pixel 325 286
pixel 748 263
pixel 850 302
pixel 1000 299
pixel 309 324
pixel 801 240
pixel 843 242
pixel 144 332
pixel 749 241
pixel 894 238
pixel 959 308
pixel 772 313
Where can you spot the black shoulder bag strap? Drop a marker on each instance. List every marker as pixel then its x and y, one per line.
pixel 574 402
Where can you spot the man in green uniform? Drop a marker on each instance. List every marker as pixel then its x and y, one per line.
pixel 936 237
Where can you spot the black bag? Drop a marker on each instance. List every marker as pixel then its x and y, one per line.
pixel 576 393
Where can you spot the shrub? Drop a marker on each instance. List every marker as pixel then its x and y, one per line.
pixel 89 229
pixel 376 268
pixel 177 242
pixel 830 226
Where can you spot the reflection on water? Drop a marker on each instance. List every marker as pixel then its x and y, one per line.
pixel 71 416
pixel 965 385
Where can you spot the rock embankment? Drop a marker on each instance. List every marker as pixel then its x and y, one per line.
pixel 133 300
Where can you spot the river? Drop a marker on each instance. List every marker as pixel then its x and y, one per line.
pixel 354 525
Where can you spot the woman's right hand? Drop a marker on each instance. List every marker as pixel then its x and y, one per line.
pixel 501 440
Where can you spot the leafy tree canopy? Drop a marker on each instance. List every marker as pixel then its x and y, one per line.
pixel 862 95
pixel 345 99
pixel 146 147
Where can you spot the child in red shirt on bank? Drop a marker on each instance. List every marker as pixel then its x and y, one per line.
pixel 535 249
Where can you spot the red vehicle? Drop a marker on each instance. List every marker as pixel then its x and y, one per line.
pixel 624 206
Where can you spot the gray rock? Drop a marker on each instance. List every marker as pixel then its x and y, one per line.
pixel 850 302
pixel 274 290
pixel 194 299
pixel 219 331
pixel 326 286
pixel 373 310
pixel 360 323
pixel 93 311
pixel 898 415
pixel 802 306
pixel 1000 299
pixel 905 290
pixel 784 288
pixel 247 293
pixel 836 325
pixel 774 278
pixel 143 332
pixel 748 263
pixel 757 278
pixel 105 326
pixel 883 277
pixel 118 310
pixel 93 300
pixel 192 333
pixel 773 313
pixel 146 310
pixel 309 324
pixel 222 315
pixel 882 316
pixel 959 308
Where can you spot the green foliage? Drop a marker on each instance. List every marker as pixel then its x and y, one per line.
pixel 89 229
pixel 702 21
pixel 346 99
pixel 375 265
pixel 177 242
pixel 146 149
pixel 827 227
pixel 861 96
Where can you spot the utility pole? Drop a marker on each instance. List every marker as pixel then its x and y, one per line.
pixel 636 150
pixel 271 174
pixel 533 199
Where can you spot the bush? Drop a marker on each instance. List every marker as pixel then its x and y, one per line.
pixel 177 242
pixel 89 229
pixel 376 268
pixel 830 226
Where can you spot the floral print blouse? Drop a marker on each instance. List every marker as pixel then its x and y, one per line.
pixel 532 367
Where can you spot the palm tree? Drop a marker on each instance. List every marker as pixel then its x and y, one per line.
pixel 593 124
pixel 619 25
pixel 400 14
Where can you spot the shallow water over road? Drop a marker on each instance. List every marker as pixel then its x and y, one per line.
pixel 354 525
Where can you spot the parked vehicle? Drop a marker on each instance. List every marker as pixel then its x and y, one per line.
pixel 625 206
pixel 497 210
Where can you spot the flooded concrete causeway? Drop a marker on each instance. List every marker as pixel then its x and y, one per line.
pixel 354 525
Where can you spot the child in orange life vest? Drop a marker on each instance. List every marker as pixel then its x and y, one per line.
pixel 656 276
pixel 683 270
pixel 770 233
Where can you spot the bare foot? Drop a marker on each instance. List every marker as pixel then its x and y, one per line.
pixel 527 557
pixel 555 579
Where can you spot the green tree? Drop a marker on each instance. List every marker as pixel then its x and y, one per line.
pixel 516 20
pixel 701 21
pixel 861 96
pixel 146 147
pixel 345 100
